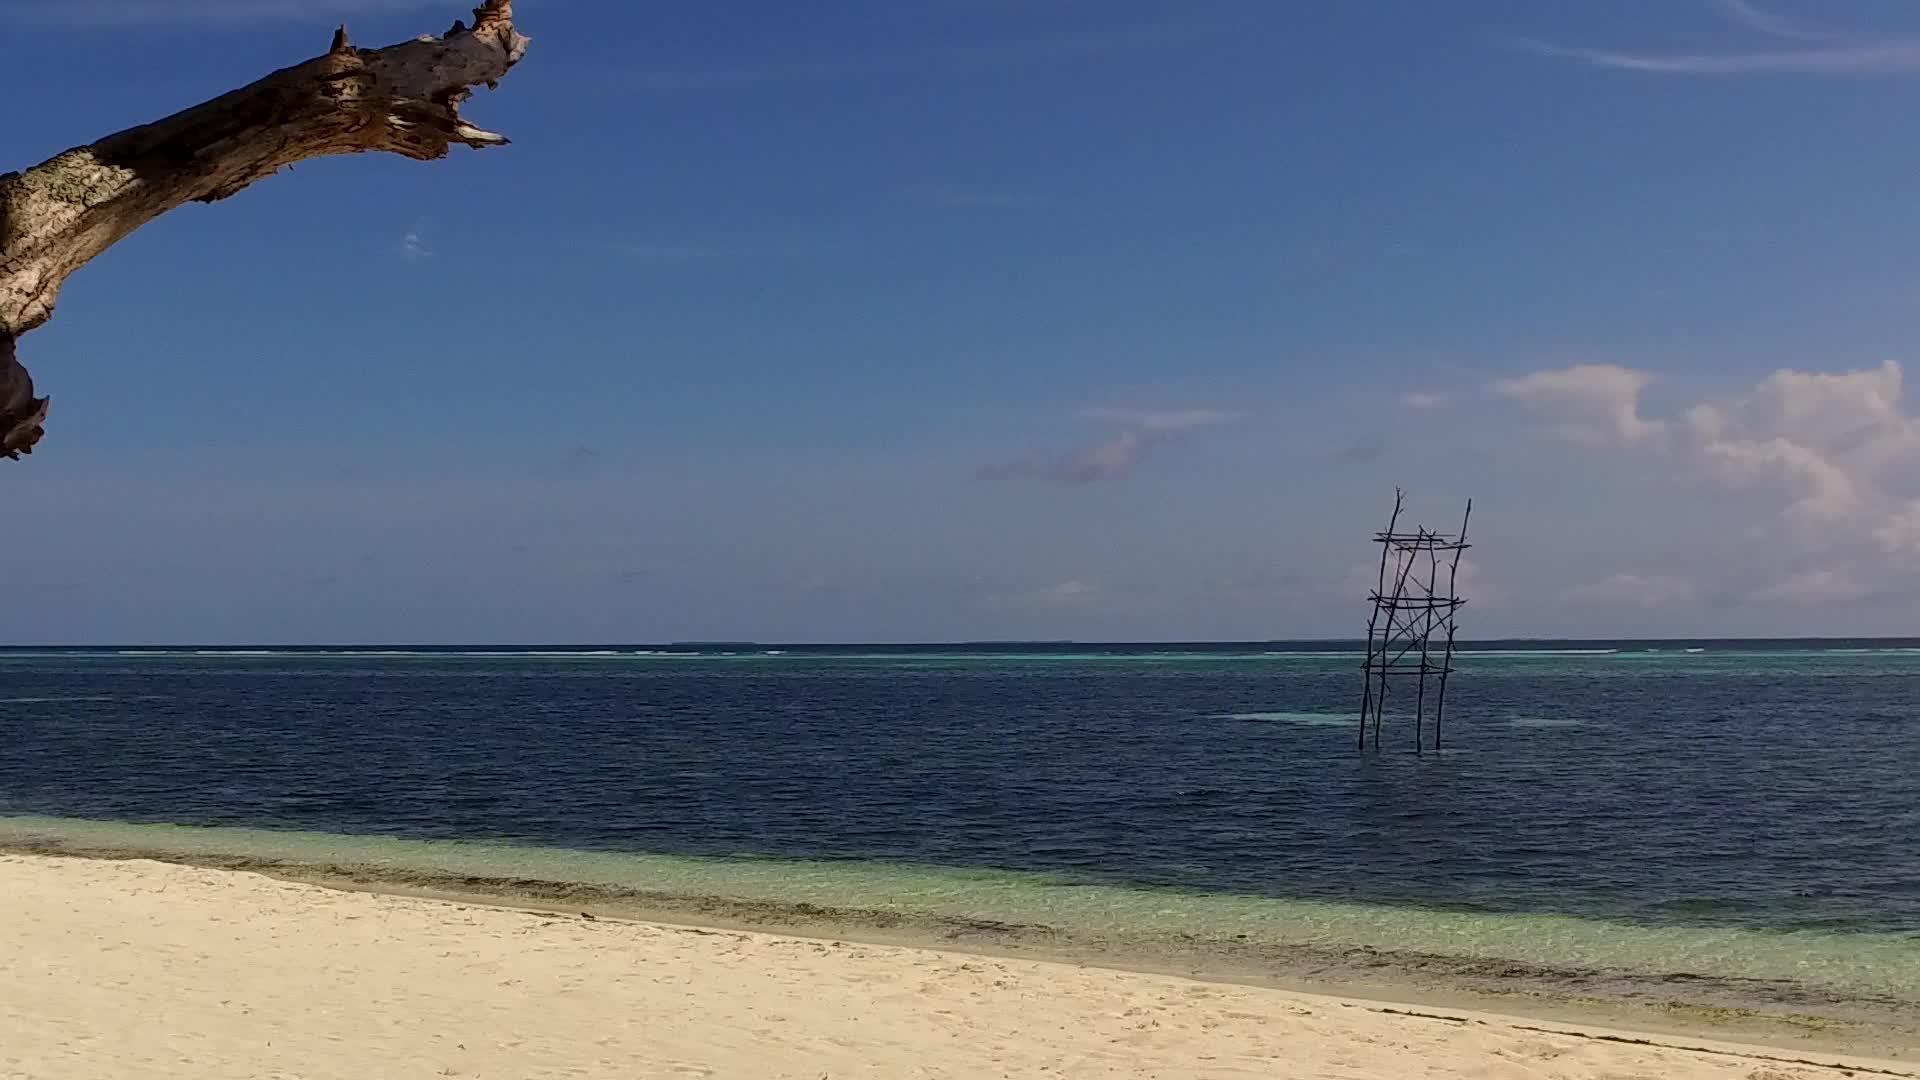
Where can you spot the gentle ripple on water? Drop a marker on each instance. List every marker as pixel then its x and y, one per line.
pixel 1742 790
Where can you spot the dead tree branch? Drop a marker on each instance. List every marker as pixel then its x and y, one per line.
pixel 57 216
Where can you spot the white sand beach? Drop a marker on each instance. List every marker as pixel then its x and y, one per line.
pixel 145 969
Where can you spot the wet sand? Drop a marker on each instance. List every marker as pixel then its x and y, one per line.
pixel 1665 994
pixel 136 967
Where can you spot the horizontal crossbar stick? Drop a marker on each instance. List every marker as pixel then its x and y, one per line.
pixel 1401 603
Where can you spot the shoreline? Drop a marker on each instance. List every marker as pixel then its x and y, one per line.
pixel 1789 1017
pixel 169 970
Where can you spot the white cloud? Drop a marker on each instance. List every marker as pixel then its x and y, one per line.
pixel 1828 402
pixel 1840 445
pixel 1594 404
pixel 1422 399
pixel 1821 489
pixel 1835 456
pixel 1636 591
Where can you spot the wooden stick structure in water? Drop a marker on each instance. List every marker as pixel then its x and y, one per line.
pixel 1410 631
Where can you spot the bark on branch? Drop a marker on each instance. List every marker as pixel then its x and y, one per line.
pixel 57 216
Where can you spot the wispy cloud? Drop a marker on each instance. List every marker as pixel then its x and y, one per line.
pixel 1144 431
pixel 413 246
pixel 1422 399
pixel 117 13
pixel 1876 58
pixel 1773 25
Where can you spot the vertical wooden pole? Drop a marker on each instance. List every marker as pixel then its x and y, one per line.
pixel 1432 541
pixel 1454 604
pixel 1403 562
pixel 1367 703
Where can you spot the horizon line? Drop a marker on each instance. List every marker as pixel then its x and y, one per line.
pixel 923 644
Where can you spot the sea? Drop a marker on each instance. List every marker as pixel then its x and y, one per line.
pixel 1733 814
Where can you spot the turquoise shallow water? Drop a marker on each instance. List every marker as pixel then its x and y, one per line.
pixel 1844 964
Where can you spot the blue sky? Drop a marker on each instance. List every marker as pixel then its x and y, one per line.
pixel 944 319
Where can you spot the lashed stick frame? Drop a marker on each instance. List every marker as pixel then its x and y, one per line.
pixel 1411 629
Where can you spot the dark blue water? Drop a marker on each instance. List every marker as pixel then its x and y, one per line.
pixel 1749 785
